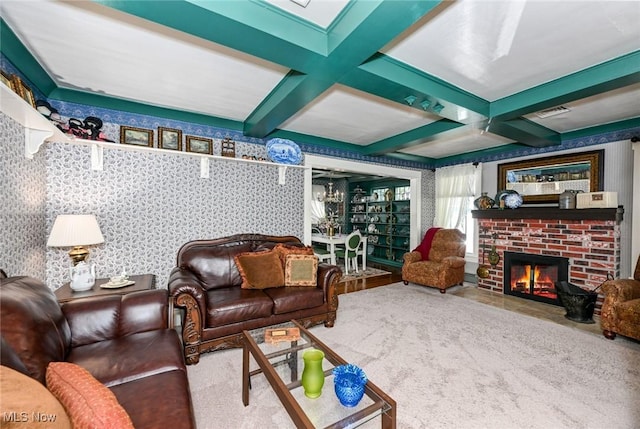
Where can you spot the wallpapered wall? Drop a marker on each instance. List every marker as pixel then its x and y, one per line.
pixel 22 201
pixel 150 203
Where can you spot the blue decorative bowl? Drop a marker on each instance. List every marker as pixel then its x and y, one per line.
pixel 349 384
pixel 513 201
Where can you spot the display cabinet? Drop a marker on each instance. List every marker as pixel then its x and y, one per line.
pixel 381 211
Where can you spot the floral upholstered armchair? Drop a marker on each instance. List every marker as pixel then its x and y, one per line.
pixel 438 261
pixel 621 307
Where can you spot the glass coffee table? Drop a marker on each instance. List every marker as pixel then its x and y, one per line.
pixel 281 363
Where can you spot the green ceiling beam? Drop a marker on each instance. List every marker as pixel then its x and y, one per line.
pixel 396 80
pixel 355 35
pixel 366 26
pixel 525 132
pixel 118 104
pixel 21 58
pixel 613 74
pixel 428 162
pixel 253 27
pixel 292 93
pixel 410 138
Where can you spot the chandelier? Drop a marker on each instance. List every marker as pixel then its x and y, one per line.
pixel 331 196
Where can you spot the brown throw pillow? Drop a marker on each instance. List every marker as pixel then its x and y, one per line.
pixel 301 270
pixel 88 402
pixel 283 250
pixel 26 403
pixel 260 270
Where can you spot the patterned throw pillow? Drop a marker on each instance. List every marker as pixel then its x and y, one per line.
pixel 260 270
pixel 89 403
pixel 301 270
pixel 283 250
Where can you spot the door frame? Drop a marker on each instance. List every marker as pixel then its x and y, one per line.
pixel 413 176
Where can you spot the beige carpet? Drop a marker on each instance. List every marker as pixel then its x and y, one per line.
pixel 363 274
pixel 449 362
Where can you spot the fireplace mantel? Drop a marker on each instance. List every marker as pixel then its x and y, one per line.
pixel 550 213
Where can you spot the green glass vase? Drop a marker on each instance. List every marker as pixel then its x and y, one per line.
pixel 312 375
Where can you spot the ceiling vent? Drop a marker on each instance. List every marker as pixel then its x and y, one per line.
pixel 552 112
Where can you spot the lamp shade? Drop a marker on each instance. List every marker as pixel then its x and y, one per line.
pixel 75 230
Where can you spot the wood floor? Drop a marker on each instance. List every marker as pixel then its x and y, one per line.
pixel 371 282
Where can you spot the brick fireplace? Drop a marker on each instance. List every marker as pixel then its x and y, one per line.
pixel 588 238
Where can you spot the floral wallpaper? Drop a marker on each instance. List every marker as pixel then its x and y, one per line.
pixel 22 196
pixel 148 204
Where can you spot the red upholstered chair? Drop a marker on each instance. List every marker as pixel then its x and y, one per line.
pixel 444 267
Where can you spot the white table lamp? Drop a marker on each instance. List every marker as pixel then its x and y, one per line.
pixel 75 231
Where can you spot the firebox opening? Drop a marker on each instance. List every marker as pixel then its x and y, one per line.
pixel 534 276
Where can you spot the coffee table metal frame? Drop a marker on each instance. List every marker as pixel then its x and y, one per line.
pixel 382 403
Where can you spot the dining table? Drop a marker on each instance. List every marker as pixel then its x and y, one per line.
pixel 340 240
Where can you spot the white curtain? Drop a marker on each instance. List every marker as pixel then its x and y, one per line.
pixel 317 207
pixel 455 190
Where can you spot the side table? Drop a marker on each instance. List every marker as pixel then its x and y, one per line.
pixel 142 282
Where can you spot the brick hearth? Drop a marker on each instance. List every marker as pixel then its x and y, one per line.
pixel 589 238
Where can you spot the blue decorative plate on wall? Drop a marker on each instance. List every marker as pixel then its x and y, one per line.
pixel 284 151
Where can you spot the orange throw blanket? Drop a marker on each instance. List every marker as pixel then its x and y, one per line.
pixel 425 246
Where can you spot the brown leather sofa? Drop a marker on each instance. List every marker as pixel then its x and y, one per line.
pixel 445 266
pixel 621 307
pixel 206 284
pixel 124 341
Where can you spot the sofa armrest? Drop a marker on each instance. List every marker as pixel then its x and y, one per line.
pixel 328 278
pixel 411 257
pixel 101 318
pixel 188 293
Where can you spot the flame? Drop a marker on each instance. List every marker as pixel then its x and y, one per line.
pixel 543 281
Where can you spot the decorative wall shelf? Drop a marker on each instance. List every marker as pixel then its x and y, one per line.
pixel 39 130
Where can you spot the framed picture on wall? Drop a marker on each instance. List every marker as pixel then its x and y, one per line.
pixel 136 136
pixel 6 79
pixel 201 145
pixel 169 138
pixel 542 180
pixel 23 90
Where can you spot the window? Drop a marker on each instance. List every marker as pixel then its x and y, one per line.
pixel 380 193
pixel 403 193
pixel 456 188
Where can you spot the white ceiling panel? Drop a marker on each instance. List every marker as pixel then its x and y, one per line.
pixel 612 106
pixel 345 114
pixel 494 49
pixel 95 49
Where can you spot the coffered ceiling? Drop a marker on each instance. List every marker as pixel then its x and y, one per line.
pixel 413 79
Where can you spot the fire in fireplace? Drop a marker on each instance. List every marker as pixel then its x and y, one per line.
pixel 534 276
